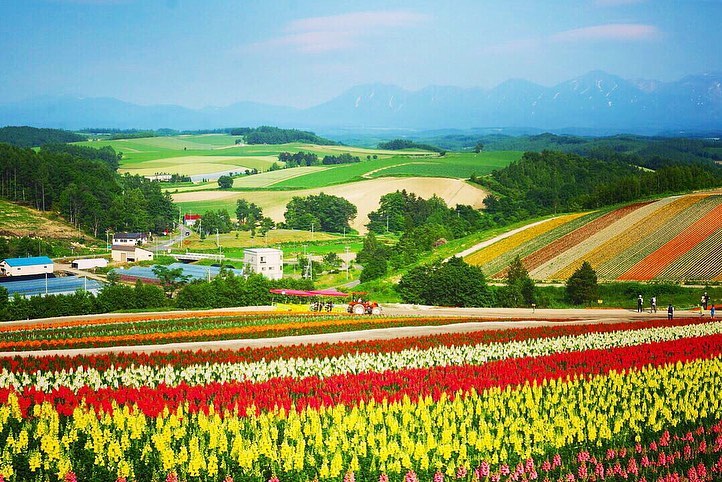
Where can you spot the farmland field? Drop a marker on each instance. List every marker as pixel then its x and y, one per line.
pixel 540 403
pixel 364 194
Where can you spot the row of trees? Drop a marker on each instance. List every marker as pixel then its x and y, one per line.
pixel 85 191
pixel 274 135
pixel 550 182
pixel 33 137
pixel 398 144
pixel 311 159
pixel 224 290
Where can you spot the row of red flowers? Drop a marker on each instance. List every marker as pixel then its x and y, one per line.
pixel 392 386
pixel 183 358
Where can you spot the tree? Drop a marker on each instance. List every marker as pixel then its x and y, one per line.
pixel 371 248
pixel 225 182
pixel 449 283
pixel 213 221
pixel 170 279
pixel 478 147
pixel 374 268
pixel 582 287
pixel 322 212
pixel 519 289
pixel 248 214
pixel 332 260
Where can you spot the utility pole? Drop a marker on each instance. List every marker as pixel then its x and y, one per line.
pixel 387 223
pixel 311 231
pixel 348 261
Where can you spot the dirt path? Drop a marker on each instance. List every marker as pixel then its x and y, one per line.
pixel 488 320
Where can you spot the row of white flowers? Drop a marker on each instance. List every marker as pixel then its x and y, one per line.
pixel 200 374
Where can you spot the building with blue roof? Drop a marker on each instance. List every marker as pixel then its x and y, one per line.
pixel 26 266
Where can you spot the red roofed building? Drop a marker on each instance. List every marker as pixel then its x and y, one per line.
pixel 191 219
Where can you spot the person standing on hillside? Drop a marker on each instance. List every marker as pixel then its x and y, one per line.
pixel 640 304
pixel 654 305
pixel 670 312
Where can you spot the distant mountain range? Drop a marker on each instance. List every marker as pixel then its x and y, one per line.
pixel 596 102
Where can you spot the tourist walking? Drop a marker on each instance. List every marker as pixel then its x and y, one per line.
pixel 711 312
pixel 640 304
pixel 670 312
pixel 654 305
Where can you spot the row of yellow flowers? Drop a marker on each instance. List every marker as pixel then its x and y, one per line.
pixel 498 426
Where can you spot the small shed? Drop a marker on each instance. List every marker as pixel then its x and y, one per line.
pixel 89 263
pixel 130 254
pixel 266 261
pixel 26 266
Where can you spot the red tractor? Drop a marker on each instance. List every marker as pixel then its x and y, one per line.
pixel 359 306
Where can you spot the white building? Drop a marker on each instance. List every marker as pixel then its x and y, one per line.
pixel 89 263
pixel 266 261
pixel 130 254
pixel 26 266
pixel 129 239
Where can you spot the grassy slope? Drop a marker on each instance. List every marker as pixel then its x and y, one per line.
pixel 16 220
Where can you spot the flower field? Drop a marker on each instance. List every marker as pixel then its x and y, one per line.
pixel 190 328
pixel 669 239
pixel 623 401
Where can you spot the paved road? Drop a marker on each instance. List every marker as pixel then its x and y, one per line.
pixel 488 320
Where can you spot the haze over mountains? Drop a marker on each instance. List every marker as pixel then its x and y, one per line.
pixel 596 101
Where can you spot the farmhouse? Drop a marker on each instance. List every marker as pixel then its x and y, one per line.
pixel 266 261
pixel 191 219
pixel 26 266
pixel 130 254
pixel 129 239
pixel 89 263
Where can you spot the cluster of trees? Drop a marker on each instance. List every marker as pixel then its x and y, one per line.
pixel 106 153
pixel 322 212
pixel 113 297
pixel 455 283
pixel 274 135
pixel 250 218
pixel 215 221
pixel 398 144
pixel 550 182
pixel 227 290
pixel 25 246
pixel 448 283
pixel 223 291
pixel 311 159
pixel 298 159
pixel 87 192
pixel 344 158
pixel 422 225
pixel 33 137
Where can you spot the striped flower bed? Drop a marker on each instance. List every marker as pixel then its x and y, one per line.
pixel 552 250
pixel 620 402
pixel 494 258
pixel 628 231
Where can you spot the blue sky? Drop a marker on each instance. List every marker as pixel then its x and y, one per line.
pixel 200 53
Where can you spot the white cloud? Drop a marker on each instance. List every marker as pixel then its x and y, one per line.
pixel 341 32
pixel 611 31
